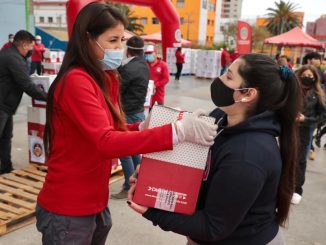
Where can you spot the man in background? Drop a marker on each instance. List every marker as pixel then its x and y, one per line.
pixel 158 72
pixel 37 56
pixel 14 81
pixel 10 41
pixel 134 80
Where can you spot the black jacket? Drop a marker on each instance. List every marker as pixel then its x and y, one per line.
pixel 313 110
pixel 14 80
pixel 133 85
pixel 237 202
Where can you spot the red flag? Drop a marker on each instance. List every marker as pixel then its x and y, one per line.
pixel 244 35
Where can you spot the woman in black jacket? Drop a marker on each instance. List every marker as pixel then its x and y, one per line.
pixel 247 193
pixel 312 113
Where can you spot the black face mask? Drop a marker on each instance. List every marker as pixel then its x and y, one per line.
pixel 307 81
pixel 29 54
pixel 221 94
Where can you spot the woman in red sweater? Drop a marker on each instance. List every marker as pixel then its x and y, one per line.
pixel 85 129
pixel 180 57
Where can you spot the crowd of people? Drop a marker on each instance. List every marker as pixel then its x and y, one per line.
pixel 266 115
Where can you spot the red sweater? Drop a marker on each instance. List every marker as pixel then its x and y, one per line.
pixel 159 73
pixel 180 57
pixel 38 51
pixel 85 140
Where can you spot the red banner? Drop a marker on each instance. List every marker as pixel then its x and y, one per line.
pixel 244 35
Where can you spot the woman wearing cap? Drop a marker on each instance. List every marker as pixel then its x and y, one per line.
pixel 246 194
pixel 158 72
pixel 37 56
pixel 312 113
pixel 85 129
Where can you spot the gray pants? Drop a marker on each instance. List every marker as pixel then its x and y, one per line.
pixel 73 230
pixel 278 240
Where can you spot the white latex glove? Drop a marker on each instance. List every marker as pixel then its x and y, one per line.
pixel 201 112
pixel 196 130
pixel 144 124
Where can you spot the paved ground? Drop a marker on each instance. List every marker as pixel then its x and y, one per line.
pixel 307 225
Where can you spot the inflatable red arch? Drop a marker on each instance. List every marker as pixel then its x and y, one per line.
pixel 163 9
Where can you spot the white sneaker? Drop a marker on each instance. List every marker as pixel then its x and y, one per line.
pixel 296 199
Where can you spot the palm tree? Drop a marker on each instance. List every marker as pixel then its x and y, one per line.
pixel 132 25
pixel 282 18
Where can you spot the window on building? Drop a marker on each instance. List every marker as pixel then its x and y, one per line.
pixel 204 4
pixel 155 21
pixel 41 19
pixel 180 3
pixel 50 19
pixel 59 19
pixel 143 21
pixel 212 22
pixel 182 21
pixel 208 22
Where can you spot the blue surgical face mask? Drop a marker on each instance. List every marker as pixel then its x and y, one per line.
pixel 150 57
pixel 112 58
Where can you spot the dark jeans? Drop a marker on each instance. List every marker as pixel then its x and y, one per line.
pixel 36 66
pixel 6 133
pixel 70 230
pixel 179 69
pixel 305 145
pixel 130 163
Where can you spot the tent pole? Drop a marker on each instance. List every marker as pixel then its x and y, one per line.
pixel 301 57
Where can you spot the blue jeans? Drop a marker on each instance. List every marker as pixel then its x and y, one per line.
pixel 130 163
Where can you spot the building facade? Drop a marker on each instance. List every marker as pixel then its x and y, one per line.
pixel 317 29
pixel 50 13
pixel 198 20
pixel 230 14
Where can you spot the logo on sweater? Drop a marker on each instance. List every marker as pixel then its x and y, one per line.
pixel 158 69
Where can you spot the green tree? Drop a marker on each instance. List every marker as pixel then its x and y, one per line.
pixel 282 18
pixel 133 26
pixel 259 34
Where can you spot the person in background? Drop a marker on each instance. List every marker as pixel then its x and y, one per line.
pixel 282 61
pixel 134 78
pixel 225 60
pixel 85 129
pixel 158 72
pixel 289 63
pixel 245 195
pixel 37 56
pixel 314 58
pixel 312 113
pixel 10 41
pixel 234 55
pixel 14 81
pixel 180 60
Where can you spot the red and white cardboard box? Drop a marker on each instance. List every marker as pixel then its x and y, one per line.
pixel 44 83
pixel 50 56
pixel 170 180
pixel 51 68
pixel 61 55
pixel 36 118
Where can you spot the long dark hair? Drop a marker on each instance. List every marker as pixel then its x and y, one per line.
pixel 278 91
pixel 93 20
pixel 317 85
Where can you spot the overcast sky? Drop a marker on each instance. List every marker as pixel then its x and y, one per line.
pixel 313 9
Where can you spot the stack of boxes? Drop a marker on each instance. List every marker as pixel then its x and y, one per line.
pixel 202 63
pixel 36 118
pixel 52 61
pixel 194 54
pixel 208 63
pixel 171 61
